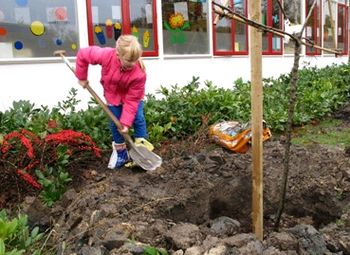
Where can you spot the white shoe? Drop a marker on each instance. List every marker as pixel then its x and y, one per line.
pixel 114 157
pixel 119 156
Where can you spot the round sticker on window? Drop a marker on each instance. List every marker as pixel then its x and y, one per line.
pixel 61 14
pixel 58 42
pixel 18 45
pixel 37 28
pixel 3 31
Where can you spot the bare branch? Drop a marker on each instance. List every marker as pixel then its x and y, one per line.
pixel 224 11
pixel 308 16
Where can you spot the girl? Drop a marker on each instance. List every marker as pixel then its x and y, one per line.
pixel 123 78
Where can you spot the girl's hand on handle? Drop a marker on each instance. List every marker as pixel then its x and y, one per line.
pixel 83 83
pixel 124 130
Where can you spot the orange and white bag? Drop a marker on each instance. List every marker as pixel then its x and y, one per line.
pixel 235 136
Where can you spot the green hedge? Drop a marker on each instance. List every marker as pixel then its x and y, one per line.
pixel 177 111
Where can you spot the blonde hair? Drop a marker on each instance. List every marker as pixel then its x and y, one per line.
pixel 129 49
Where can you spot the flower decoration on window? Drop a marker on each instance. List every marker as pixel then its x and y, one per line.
pixel 99 34
pixel 176 25
pixel 176 20
pixel 109 28
pixel 135 31
pixel 145 39
pixel 117 30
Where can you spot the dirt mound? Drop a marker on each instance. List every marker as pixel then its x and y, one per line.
pixel 201 203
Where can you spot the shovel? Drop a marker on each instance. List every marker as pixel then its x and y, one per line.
pixel 146 159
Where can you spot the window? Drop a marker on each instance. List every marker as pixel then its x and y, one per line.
pixel 313 27
pixel 185 27
pixel 293 12
pixel 108 19
pixel 329 32
pixel 143 25
pixel 230 36
pixel 37 28
pixel 271 16
pixel 342 28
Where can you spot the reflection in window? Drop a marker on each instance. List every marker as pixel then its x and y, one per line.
pixel 37 28
pixel 230 36
pixel 329 38
pixel 343 28
pixel 185 27
pixel 264 14
pixel 293 12
pixel 271 16
pixel 313 27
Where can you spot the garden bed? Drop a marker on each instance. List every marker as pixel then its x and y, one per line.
pixel 200 201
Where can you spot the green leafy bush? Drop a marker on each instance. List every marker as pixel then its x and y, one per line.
pixel 15 236
pixel 319 93
pixel 178 111
pixel 54 179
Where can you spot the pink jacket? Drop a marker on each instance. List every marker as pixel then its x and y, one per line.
pixel 126 87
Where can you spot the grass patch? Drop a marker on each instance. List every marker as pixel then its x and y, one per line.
pixel 327 132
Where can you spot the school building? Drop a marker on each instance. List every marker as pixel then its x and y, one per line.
pixel 178 37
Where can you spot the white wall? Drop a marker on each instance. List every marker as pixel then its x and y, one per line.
pixel 48 83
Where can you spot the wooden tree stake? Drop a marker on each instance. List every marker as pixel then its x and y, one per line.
pixel 257 111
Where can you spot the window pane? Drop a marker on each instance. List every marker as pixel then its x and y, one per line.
pixel 313 26
pixel 106 21
pixel 37 28
pixel 276 23
pixel 141 17
pixel 342 28
pixel 265 37
pixel 240 28
pixel 223 33
pixel 185 27
pixel 293 12
pixel 329 25
pixel 223 30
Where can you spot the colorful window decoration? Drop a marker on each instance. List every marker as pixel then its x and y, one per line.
pixel 231 37
pixel 342 28
pixel 313 30
pixel 271 16
pixel 105 22
pixel 108 19
pixel 36 29
pixel 185 27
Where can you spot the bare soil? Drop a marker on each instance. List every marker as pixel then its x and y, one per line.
pixel 199 202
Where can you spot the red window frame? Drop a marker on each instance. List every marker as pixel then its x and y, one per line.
pixel 317 23
pixel 345 21
pixel 233 36
pixel 126 25
pixel 270 36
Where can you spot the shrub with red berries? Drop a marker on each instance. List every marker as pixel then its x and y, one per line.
pixel 23 151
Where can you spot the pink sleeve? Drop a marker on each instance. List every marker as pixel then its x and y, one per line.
pixel 134 96
pixel 91 55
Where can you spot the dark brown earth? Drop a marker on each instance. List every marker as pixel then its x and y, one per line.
pixel 199 202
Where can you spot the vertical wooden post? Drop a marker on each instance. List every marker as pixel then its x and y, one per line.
pixel 257 111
